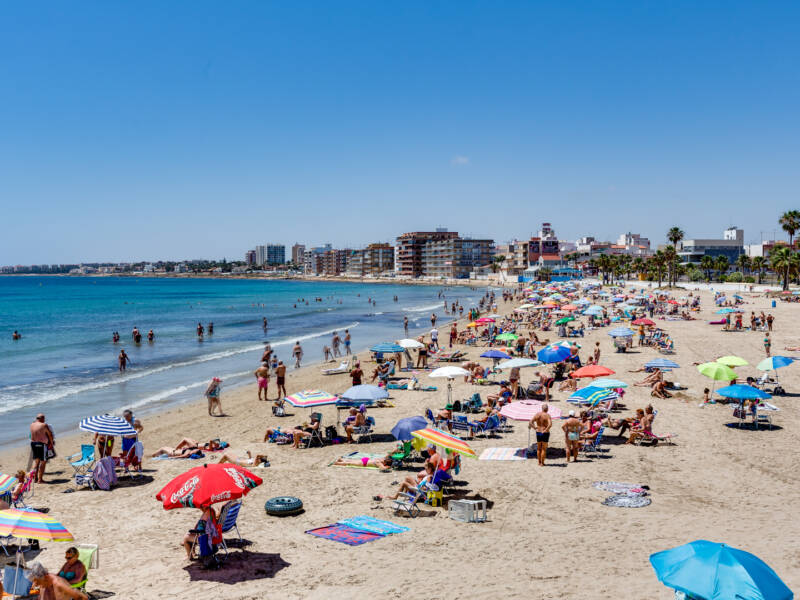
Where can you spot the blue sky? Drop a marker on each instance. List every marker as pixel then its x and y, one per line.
pixel 199 129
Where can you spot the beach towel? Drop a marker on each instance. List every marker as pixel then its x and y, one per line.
pixel 365 523
pixel 503 454
pixel 625 501
pixel 344 534
pixel 615 487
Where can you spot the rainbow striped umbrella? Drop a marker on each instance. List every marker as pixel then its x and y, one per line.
pixel 311 399
pixel 7 482
pixel 27 523
pixel 445 440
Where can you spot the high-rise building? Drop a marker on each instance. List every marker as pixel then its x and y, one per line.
pixel 544 248
pixel 372 261
pixel 276 254
pixel 408 253
pixel 261 255
pixel 250 257
pixel 455 257
pixel 298 254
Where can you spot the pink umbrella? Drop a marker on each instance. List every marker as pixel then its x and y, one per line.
pixel 484 320
pixel 524 410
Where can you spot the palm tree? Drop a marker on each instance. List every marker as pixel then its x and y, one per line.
pixel 675 235
pixel 592 264
pixel 671 259
pixel 790 223
pixel 721 263
pixel 658 261
pixel 757 264
pixel 743 262
pixel 497 261
pixel 707 264
pixel 638 265
pixel 604 264
pixel 785 261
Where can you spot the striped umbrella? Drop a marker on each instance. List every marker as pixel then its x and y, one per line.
pixel 107 425
pixel 6 483
pixel 311 399
pixel 661 363
pixel 591 395
pixel 445 440
pixel 27 523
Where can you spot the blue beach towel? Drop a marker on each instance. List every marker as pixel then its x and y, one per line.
pixel 366 523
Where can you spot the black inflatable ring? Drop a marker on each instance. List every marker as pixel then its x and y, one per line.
pixel 283 505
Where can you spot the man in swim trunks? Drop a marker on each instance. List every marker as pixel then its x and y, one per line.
pixel 347 342
pixel 542 423
pixel 280 375
pixel 262 376
pixel 572 433
pixel 123 360
pixel 41 439
pixel 297 352
pixel 335 341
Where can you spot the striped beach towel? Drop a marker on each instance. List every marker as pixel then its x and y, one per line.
pixel 366 523
pixel 503 454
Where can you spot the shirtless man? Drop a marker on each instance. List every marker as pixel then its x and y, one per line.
pixel 267 353
pixel 52 587
pixel 651 379
pixel 335 342
pixel 572 435
pixel 280 377
pixel 405 325
pixel 262 377
pixel 297 352
pixel 41 439
pixel 347 342
pixel 542 423
pixel 123 359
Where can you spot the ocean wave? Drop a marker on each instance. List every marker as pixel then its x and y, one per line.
pixel 424 308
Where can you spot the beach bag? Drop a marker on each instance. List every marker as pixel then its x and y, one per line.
pixel 50 453
pixel 330 432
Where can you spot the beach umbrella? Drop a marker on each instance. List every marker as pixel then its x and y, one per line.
pixel 495 354
pixel 774 362
pixel 507 337
pixel 594 310
pixel 609 383
pixel 519 363
pixel 387 347
pixel 732 361
pixel 553 354
pixel 473 324
pixel 741 391
pixel 643 321
pixel 592 371
pixel 311 399
pixel 661 363
pixel 445 440
pixel 565 320
pixel 727 310
pixel 714 571
pixel 402 430
pixel 208 484
pixel 7 482
pixel 107 425
pixel 526 305
pixel 365 392
pixel 570 307
pixel 582 302
pixel 483 320
pixel 525 410
pixel 621 332
pixel 450 373
pixel 409 343
pixel 717 371
pixel 591 395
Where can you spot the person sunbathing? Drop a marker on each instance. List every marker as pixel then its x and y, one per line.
pixel 650 379
pixel 505 392
pixel 659 390
pixel 569 384
pixel 297 433
pixel 625 423
pixel 15 492
pixel 248 461
pixel 186 447
pixel 355 420
pixel 73 570
pixel 644 428
pixel 411 484
pixel 383 463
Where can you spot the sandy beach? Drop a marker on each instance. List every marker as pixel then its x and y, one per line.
pixel 547 535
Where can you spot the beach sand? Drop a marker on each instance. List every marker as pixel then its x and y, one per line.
pixel 548 535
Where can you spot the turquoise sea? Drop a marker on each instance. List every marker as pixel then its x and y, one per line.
pixel 65 365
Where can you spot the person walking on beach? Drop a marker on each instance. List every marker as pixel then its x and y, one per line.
pixel 767 344
pixel 770 319
pixel 542 423
pixel 262 377
pixel 453 333
pixel 435 339
pixel 280 377
pixel 405 325
pixel 597 353
pixel 212 395
pixel 572 435
pixel 123 359
pixel 42 440
pixel 433 319
pixel 356 374
pixel 335 341
pixel 326 354
pixel 297 352
pixel 267 352
pixel 347 341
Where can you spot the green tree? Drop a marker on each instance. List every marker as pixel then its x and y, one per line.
pixel 721 264
pixel 790 223
pixel 675 235
pixel 658 263
pixel 639 265
pixel 757 264
pixel 671 260
pixel 707 264
pixel 604 264
pixel 785 261
pixel 743 262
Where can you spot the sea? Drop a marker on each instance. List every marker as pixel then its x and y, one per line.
pixel 65 365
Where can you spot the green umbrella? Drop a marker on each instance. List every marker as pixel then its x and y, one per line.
pixel 717 371
pixel 564 320
pixel 732 361
pixel 506 337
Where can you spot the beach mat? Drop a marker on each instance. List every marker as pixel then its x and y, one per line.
pixel 625 501
pixel 366 523
pixel 344 534
pixel 616 487
pixel 503 454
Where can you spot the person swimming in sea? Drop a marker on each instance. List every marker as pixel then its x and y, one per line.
pixel 16 335
pixel 151 336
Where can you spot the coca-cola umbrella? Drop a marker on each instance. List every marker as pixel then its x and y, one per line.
pixel 203 486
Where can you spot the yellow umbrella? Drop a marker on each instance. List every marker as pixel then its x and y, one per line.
pixel 732 361
pixel 445 440
pixel 473 324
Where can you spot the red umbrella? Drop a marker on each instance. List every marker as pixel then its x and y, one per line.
pixel 593 371
pixel 207 485
pixel 643 321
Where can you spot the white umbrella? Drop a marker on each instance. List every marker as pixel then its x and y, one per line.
pixel 409 343
pixel 519 363
pixel 450 373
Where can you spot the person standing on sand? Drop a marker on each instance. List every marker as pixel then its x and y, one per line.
pixel 542 423
pixel 280 377
pixel 347 342
pixel 41 439
pixel 597 353
pixel 453 333
pixel 123 359
pixel 767 344
pixel 770 319
pixel 405 325
pixel 262 377
pixel 335 341
pixel 297 352
pixel 267 353
pixel 572 435
pixel 212 395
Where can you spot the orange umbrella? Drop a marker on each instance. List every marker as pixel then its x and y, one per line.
pixel 569 307
pixel 592 371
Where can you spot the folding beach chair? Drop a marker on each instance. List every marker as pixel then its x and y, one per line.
pixel 460 423
pixel 88 554
pixel 86 460
pixel 344 367
pixel 491 424
pixel 316 435
pixel 403 454
pixel 26 493
pixel 227 521
pixel 593 447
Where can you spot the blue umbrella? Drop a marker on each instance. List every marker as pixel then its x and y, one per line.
pixel 741 391
pixel 402 431
pixel 774 362
pixel 609 383
pixel 713 571
pixel 727 310
pixel 594 310
pixel 365 392
pixel 494 354
pixel 553 354
pixel 621 332
pixel 661 363
pixel 387 347
pixel 591 395
pixel 107 425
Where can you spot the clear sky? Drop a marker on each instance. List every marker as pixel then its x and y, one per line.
pixel 145 130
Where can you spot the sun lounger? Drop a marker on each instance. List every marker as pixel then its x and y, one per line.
pixel 344 367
